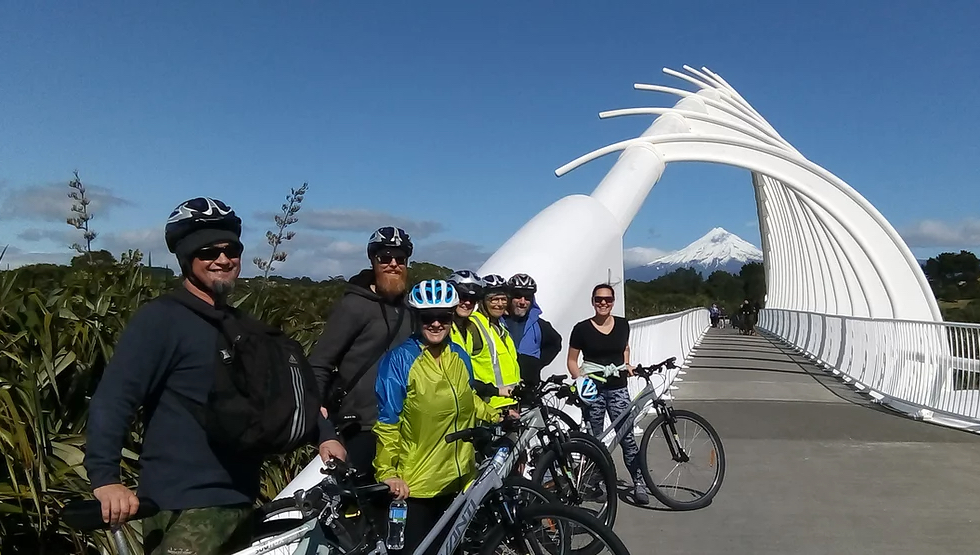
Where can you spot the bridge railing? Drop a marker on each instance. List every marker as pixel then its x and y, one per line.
pixel 656 338
pixel 929 370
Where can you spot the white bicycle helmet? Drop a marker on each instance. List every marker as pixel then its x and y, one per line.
pixel 494 284
pixel 466 282
pixel 586 389
pixel 433 293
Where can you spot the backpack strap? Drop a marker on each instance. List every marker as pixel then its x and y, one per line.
pixel 224 321
pixel 339 391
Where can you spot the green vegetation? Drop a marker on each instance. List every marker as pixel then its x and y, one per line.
pixel 955 280
pixel 686 288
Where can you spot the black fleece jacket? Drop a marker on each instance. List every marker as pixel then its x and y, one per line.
pixel 166 350
pixel 354 338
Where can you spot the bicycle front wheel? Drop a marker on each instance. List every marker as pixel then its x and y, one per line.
pixel 584 477
pixel 554 529
pixel 685 472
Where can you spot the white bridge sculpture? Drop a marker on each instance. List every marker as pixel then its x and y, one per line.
pixel 826 249
pixel 842 285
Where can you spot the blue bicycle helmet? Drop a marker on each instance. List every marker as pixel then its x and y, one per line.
pixel 433 293
pixel 586 389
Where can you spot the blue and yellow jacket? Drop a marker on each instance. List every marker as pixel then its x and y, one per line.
pixel 420 401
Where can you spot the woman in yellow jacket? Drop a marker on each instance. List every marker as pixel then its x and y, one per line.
pixel 495 367
pixel 424 394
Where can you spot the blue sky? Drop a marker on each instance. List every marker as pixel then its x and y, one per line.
pixel 451 117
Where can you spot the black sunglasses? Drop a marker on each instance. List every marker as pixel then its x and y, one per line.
pixel 597 299
pixel 207 254
pixel 385 259
pixel 428 318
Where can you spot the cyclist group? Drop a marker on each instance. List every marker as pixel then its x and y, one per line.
pixel 407 365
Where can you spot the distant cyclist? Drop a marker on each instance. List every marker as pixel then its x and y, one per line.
pixel 496 365
pixel 167 355
pixel 423 393
pixel 537 341
pixel 368 320
pixel 603 343
pixel 715 315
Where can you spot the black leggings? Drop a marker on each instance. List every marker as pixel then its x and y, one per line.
pixel 423 513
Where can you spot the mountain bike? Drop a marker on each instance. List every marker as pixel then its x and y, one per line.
pixel 571 465
pixel 551 394
pixel 337 514
pixel 668 489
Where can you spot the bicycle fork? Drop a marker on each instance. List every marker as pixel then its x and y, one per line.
pixel 673 440
pixel 119 539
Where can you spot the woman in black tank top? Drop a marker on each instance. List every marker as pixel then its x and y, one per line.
pixel 604 340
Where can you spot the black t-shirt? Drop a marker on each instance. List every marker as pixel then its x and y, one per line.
pixel 601 348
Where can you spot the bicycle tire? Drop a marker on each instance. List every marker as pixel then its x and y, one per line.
pixel 590 439
pixel 566 419
pixel 582 519
pixel 604 467
pixel 479 528
pixel 657 491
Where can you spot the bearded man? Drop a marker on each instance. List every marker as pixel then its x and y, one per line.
pixel 369 319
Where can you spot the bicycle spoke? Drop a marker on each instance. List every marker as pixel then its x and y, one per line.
pixel 687 483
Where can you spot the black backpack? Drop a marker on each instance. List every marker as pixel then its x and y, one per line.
pixel 264 400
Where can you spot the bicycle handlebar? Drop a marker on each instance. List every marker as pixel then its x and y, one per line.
pixel 647 371
pixel 85 515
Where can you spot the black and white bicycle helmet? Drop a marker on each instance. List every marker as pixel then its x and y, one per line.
pixel 389 237
pixel 201 220
pixel 466 283
pixel 494 284
pixel 520 283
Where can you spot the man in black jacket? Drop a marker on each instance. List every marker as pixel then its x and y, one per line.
pixel 168 353
pixel 536 339
pixel 368 320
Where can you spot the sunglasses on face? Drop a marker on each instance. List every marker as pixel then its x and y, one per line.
pixel 385 259
pixel 603 300
pixel 429 318
pixel 526 296
pixel 207 254
pixel 469 298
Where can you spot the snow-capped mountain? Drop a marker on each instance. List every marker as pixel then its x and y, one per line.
pixel 717 250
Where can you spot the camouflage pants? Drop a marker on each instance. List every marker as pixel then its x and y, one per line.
pixel 615 402
pixel 203 531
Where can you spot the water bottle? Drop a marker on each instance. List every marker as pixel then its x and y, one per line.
pixel 500 457
pixel 397 513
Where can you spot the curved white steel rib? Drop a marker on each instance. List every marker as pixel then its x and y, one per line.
pixel 826 248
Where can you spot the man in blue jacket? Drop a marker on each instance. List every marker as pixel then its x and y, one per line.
pixel 537 341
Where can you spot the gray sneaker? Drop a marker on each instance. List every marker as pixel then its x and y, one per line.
pixel 640 493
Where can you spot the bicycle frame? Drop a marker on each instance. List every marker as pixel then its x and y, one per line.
pixel 634 410
pixel 489 479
